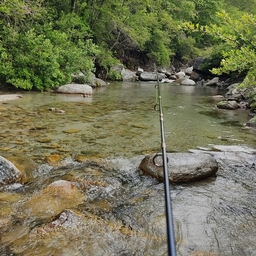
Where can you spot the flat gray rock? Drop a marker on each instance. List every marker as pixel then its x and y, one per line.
pixel 182 167
pixel 75 89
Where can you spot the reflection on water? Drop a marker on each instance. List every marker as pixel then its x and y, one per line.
pixel 118 120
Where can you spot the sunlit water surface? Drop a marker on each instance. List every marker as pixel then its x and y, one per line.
pixel 119 120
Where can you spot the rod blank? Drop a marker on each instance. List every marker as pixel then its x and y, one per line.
pixel 168 208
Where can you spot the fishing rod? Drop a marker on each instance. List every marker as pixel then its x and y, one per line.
pixel 168 208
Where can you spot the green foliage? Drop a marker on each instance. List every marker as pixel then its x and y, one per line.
pixel 30 61
pixel 42 61
pixel 216 56
pixel 245 6
pixel 43 57
pixel 44 41
pixel 157 49
pixel 240 36
pixel 206 11
pixel 114 75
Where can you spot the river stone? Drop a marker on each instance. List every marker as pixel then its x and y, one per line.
pixel 187 81
pixel 9 173
pixel 252 122
pixel 53 199
pixel 228 104
pixel 151 76
pixel 212 82
pixel 128 75
pixel 75 88
pixel 182 167
pixel 76 233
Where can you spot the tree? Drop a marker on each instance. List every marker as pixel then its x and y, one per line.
pixel 39 53
pixel 240 35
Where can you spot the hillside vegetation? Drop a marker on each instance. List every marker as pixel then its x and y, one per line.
pixel 44 42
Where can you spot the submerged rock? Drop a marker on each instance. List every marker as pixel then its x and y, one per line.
pixel 228 104
pixel 9 173
pixel 182 167
pixel 75 233
pixel 53 199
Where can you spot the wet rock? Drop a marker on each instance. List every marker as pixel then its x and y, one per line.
pixel 182 167
pixel 54 160
pixel 9 173
pixel 180 75
pixel 7 209
pixel 252 122
pixel 198 64
pixel 53 199
pixel 218 97
pixel 74 233
pixel 195 76
pixel 72 131
pixel 188 71
pixel 228 104
pixel 44 140
pixel 128 75
pixel 97 82
pixel 166 80
pixel 151 76
pixel 187 82
pixel 75 89
pixel 212 82
pixel 25 165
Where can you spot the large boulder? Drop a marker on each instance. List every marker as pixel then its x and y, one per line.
pixel 75 89
pixel 212 82
pixel 180 75
pixel 128 75
pixel 92 80
pixel 188 71
pixel 228 104
pixel 182 167
pixel 9 173
pixel 151 76
pixel 198 64
pixel 252 122
pixel 187 81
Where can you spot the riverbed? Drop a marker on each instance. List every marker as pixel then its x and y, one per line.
pixel 118 121
pixel 98 143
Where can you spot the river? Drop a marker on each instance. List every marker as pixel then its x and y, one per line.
pixel 118 123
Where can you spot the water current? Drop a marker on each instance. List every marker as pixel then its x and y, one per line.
pixel 216 216
pixel 118 120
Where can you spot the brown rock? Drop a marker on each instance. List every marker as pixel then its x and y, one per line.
pixel 54 198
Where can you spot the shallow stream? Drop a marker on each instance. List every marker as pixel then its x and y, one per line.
pixel 118 121
pixel 216 216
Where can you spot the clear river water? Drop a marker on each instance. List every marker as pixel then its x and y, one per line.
pixel 216 216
